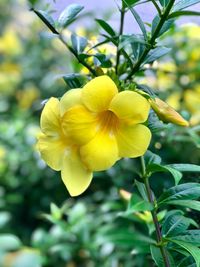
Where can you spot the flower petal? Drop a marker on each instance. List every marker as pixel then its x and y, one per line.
pixel 133 141
pixel 130 106
pixel 52 150
pixel 69 99
pixel 100 153
pixel 74 174
pixel 79 124
pixel 50 117
pixel 97 94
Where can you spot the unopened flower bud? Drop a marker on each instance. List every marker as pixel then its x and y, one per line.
pixel 125 194
pixel 167 113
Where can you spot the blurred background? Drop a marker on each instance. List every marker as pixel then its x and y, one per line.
pixel 40 225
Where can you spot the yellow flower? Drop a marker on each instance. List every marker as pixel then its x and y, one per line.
pixel 107 124
pixel 90 129
pixel 167 113
pixel 57 150
pixel 27 97
pixel 10 43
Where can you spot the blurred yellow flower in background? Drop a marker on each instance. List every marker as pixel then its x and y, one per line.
pixel 27 96
pixel 10 76
pixel 90 129
pixel 10 43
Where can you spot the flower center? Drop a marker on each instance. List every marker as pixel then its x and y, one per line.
pixel 108 121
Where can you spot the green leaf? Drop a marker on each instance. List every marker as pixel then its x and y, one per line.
pixel 189 236
pixel 156 53
pixel 180 192
pixel 184 4
pixel 78 43
pixel 187 261
pixel 74 80
pixel 164 3
pixel 141 189
pixel 106 27
pixel 192 204
pixel 55 211
pixel 175 223
pixel 166 26
pixel 123 237
pixel 185 167
pixel 129 39
pixel 155 124
pixel 9 242
pixel 69 14
pixel 151 157
pixel 184 13
pixel 158 258
pixel 138 204
pixel 47 19
pixel 138 19
pixel 194 251
pixel 102 60
pixel 129 2
pixel 152 168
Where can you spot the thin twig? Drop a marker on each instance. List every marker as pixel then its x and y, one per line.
pixel 157 7
pixel 154 214
pixel 152 40
pixel 122 17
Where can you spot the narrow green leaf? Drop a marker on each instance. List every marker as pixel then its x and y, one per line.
pixel 187 261
pixel 175 223
pixel 184 13
pixel 180 192
pixel 152 168
pixel 138 19
pixel 166 26
pixel 151 158
pixel 138 204
pixel 47 19
pixel 102 60
pixel 192 204
pixel 194 251
pixel 155 124
pixel 141 189
pixel 78 43
pixel 69 14
pixel 164 3
pixel 182 4
pixel 106 27
pixel 156 54
pixel 158 258
pixel 185 167
pixel 129 39
pixel 130 3
pixel 73 80
pixel 189 236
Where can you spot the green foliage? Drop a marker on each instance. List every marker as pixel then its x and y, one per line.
pixel 69 14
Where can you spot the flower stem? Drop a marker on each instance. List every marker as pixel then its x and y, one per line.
pixel 121 28
pixel 163 18
pixel 154 214
pixel 92 71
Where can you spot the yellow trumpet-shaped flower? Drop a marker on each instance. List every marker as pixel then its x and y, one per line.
pixel 90 129
pixel 107 125
pixel 59 152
